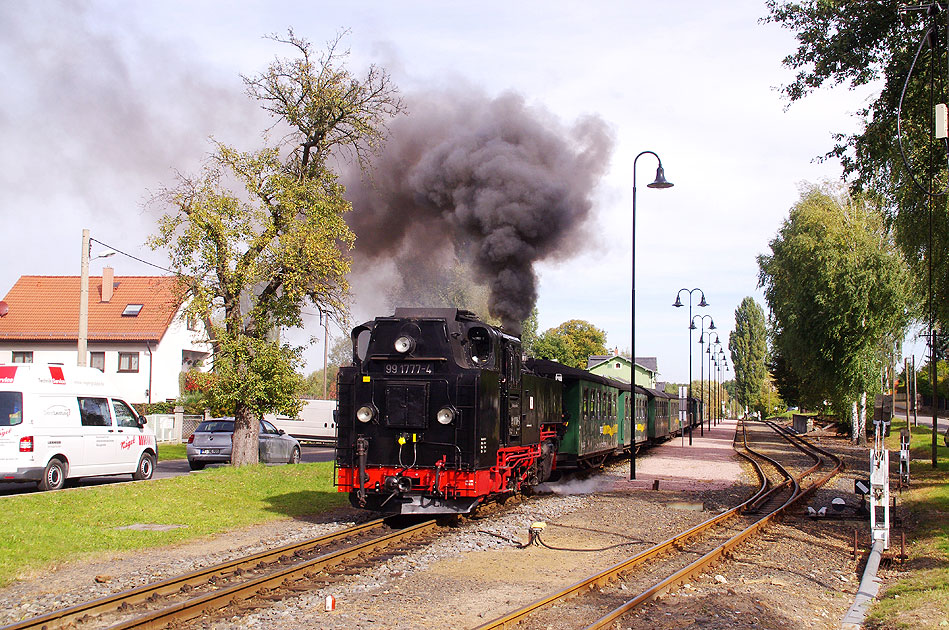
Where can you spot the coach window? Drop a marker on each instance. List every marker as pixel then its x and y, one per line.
pixel 94 412
pixel 128 362
pixel 23 357
pixel 124 416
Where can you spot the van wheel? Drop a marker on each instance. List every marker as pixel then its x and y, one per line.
pixel 54 476
pixel 146 467
pixel 295 456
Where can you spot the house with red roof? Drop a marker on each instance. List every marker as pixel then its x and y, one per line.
pixel 137 332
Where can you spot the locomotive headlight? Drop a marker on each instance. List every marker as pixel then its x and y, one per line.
pixel 404 344
pixel 445 415
pixel 365 413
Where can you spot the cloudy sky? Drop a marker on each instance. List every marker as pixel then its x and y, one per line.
pixel 103 102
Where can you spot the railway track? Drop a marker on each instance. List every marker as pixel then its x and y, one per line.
pixel 601 599
pixel 241 583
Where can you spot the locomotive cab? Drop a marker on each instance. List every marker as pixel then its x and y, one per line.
pixel 434 414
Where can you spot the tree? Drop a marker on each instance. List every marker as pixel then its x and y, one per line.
pixel 571 343
pixel 748 345
pixel 340 354
pixel 259 234
pixel 856 43
pixel 529 333
pixel 837 289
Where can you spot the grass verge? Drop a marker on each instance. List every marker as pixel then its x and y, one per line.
pixel 171 451
pixel 44 529
pixel 919 597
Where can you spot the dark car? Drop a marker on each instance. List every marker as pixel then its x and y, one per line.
pixel 211 444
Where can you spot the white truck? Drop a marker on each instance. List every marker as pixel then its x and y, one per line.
pixel 60 422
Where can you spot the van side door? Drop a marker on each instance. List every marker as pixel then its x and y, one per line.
pixel 99 438
pixel 129 445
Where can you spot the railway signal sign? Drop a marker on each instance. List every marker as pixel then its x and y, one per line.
pixel 861 486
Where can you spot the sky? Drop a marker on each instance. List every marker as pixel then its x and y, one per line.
pixel 104 102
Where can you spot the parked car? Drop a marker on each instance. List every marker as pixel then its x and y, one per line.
pixel 211 444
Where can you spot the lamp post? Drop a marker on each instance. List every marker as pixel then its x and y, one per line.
pixel 725 391
pixel 83 334
pixel 702 333
pixel 722 364
pixel 678 304
pixel 713 355
pixel 659 182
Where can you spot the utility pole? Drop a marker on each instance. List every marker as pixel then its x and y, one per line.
pixel 83 301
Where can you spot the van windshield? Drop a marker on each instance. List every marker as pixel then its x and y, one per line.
pixel 11 408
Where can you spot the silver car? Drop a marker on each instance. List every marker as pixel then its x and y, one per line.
pixel 211 444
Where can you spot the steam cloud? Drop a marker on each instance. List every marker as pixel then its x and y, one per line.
pixel 491 183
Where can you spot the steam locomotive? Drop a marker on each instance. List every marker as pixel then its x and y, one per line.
pixel 438 412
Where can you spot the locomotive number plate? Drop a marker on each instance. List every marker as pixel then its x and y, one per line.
pixel 408 368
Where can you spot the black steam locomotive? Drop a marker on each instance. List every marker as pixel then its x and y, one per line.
pixel 436 414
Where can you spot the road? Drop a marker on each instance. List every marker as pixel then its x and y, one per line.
pixel 164 470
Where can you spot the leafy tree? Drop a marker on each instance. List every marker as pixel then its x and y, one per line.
pixel 340 354
pixel 529 333
pixel 748 345
pixel 260 234
pixel 571 343
pixel 837 290
pixel 856 43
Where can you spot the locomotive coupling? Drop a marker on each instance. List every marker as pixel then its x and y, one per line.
pixel 398 484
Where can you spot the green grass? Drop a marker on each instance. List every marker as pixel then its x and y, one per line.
pixel 919 598
pixel 171 451
pixel 44 529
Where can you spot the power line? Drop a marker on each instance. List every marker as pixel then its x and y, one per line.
pixel 119 251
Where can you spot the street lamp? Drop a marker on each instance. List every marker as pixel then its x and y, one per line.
pixel 723 363
pixel 678 304
pixel 659 182
pixel 86 256
pixel 712 354
pixel 711 327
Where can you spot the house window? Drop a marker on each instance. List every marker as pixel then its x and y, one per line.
pixel 97 360
pixel 618 366
pixel 128 362
pixel 192 323
pixel 23 357
pixel 132 310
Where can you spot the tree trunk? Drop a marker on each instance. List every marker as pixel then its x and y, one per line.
pixel 862 420
pixel 854 423
pixel 244 448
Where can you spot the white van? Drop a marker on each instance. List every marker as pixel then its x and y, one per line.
pixel 59 422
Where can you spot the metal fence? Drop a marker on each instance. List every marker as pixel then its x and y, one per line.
pixel 173 428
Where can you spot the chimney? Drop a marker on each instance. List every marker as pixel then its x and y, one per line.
pixel 107 283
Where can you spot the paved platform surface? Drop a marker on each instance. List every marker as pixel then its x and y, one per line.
pixel 710 463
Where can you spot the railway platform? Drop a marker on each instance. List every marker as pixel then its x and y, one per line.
pixel 709 463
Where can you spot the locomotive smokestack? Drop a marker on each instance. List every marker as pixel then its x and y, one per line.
pixel 492 183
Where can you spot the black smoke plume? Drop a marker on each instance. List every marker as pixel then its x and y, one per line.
pixel 490 183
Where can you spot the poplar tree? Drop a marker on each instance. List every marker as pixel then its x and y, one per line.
pixel 748 346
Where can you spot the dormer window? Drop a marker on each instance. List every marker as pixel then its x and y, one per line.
pixel 132 310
